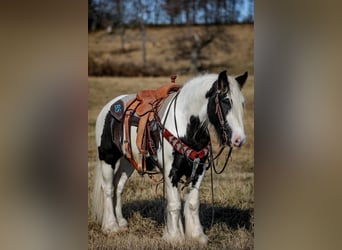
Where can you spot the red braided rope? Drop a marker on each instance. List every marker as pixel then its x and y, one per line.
pixel 182 148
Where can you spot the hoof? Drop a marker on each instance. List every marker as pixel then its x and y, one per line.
pixel 201 238
pixel 123 224
pixel 110 228
pixel 173 238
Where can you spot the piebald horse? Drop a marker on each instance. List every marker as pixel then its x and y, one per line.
pixel 207 99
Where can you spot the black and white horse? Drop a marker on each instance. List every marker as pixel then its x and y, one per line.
pixel 211 98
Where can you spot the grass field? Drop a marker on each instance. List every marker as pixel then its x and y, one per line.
pixel 233 226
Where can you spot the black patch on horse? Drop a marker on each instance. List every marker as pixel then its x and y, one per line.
pixel 196 138
pixel 108 151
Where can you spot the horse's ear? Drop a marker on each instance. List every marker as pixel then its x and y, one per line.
pixel 222 82
pixel 242 79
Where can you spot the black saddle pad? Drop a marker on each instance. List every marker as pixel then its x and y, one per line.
pixel 117 110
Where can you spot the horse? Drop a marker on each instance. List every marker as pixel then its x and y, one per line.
pixel 214 99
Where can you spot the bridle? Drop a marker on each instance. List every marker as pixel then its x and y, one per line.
pixel 221 118
pixel 222 121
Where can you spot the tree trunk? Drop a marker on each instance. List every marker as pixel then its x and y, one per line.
pixel 194 65
pixel 143 41
pixel 195 54
pixel 122 37
pixel 142 32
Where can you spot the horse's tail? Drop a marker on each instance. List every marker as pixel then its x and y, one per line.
pixel 98 203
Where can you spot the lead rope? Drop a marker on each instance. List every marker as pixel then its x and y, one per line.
pixel 212 189
pixel 212 166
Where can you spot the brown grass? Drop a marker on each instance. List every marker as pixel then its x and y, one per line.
pixel 233 190
pixel 231 49
pixel 233 226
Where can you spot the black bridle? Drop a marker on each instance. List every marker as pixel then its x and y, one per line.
pixel 221 119
pixel 224 135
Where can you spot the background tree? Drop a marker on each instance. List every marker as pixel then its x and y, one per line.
pixel 250 17
pixel 119 20
pixel 92 15
pixel 140 14
pixel 188 45
pixel 173 8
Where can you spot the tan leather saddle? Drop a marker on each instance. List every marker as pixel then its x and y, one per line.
pixel 145 106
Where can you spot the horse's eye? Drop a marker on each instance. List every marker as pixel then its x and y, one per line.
pixel 227 101
pixel 243 105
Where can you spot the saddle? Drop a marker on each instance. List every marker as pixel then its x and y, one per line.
pixel 142 112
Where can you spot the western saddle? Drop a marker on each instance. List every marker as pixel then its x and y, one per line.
pixel 142 112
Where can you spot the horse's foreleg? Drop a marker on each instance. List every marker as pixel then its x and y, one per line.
pixel 109 223
pixel 123 173
pixel 174 227
pixel 193 227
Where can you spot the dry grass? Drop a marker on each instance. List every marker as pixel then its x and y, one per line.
pixel 233 226
pixel 234 189
pixel 232 49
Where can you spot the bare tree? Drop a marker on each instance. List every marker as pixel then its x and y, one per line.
pixel 156 11
pixel 250 17
pixel 120 14
pixel 92 15
pixel 191 46
pixel 141 10
pixel 173 8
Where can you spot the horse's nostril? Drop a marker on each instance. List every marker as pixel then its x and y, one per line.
pixel 237 141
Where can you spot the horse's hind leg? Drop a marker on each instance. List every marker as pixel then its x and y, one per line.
pixel 109 223
pixel 124 171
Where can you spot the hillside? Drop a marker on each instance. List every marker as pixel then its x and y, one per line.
pixel 231 48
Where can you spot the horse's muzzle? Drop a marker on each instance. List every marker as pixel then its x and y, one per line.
pixel 238 140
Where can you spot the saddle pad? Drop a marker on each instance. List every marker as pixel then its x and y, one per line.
pixel 117 110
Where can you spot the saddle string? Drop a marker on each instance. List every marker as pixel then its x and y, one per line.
pixel 174 118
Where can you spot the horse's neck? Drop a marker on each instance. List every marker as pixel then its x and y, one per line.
pixel 189 104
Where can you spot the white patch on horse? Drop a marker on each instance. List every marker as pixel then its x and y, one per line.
pixel 235 116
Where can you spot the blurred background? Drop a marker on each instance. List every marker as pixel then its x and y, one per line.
pixel 158 38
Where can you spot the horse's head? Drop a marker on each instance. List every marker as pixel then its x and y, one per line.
pixel 225 109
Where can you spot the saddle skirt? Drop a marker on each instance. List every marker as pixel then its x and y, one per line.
pixel 143 111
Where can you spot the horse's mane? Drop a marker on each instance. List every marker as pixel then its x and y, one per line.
pixel 200 83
